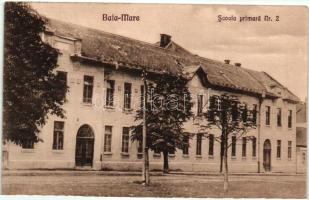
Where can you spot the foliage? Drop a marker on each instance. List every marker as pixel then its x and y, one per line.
pixel 31 87
pixel 228 114
pixel 168 107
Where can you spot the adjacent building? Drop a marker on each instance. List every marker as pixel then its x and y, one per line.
pixel 301 136
pixel 103 72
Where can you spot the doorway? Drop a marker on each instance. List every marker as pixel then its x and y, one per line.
pixel 267 155
pixel 84 146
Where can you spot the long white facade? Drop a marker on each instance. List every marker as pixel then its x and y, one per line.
pixel 96 132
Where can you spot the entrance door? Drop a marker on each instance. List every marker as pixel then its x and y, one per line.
pixel 267 155
pixel 84 146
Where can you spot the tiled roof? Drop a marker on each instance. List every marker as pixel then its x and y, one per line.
pixel 111 48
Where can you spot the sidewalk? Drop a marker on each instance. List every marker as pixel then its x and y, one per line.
pixel 72 172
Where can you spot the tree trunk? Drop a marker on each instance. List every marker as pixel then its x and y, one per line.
pixel 165 162
pixel 226 181
pixel 146 174
pixel 221 163
pixel 221 153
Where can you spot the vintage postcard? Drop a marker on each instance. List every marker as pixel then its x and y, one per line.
pixel 154 100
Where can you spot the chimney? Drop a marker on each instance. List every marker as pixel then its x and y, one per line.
pixel 237 64
pixel 165 40
pixel 227 61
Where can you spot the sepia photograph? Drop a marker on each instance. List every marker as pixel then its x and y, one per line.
pixel 154 100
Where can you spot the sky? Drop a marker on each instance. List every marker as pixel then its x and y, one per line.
pixel 276 47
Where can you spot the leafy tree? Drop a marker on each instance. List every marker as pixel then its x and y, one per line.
pixel 32 90
pixel 168 107
pixel 232 118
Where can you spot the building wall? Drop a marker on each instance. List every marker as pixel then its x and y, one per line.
pixel 97 116
pixel 301 136
pixel 283 133
pixel 77 114
pixel 301 160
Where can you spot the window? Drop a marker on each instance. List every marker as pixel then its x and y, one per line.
pixel 142 96
pixel 278 148
pixel 108 139
pixel 290 119
pixel 110 92
pixel 244 147
pixel 267 115
pixel 212 103
pixel 125 140
pixel 211 145
pixel 289 149
pixel 62 76
pixel 127 95
pixel 254 147
pixel 185 149
pixel 199 144
pixel 140 146
pixel 279 117
pixel 199 104
pixel 88 89
pixel 245 113
pixel 234 112
pixel 233 146
pixel 28 144
pixel 58 135
pixel 140 149
pixel 254 113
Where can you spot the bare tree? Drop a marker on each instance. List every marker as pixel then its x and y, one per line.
pixel 233 118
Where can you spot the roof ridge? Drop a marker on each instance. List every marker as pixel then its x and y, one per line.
pixel 171 52
pixel 247 72
pixel 182 48
pixel 285 88
pixel 113 34
pixel 273 78
pixel 164 59
pixel 164 50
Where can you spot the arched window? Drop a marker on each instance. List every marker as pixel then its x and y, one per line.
pixel 85 132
